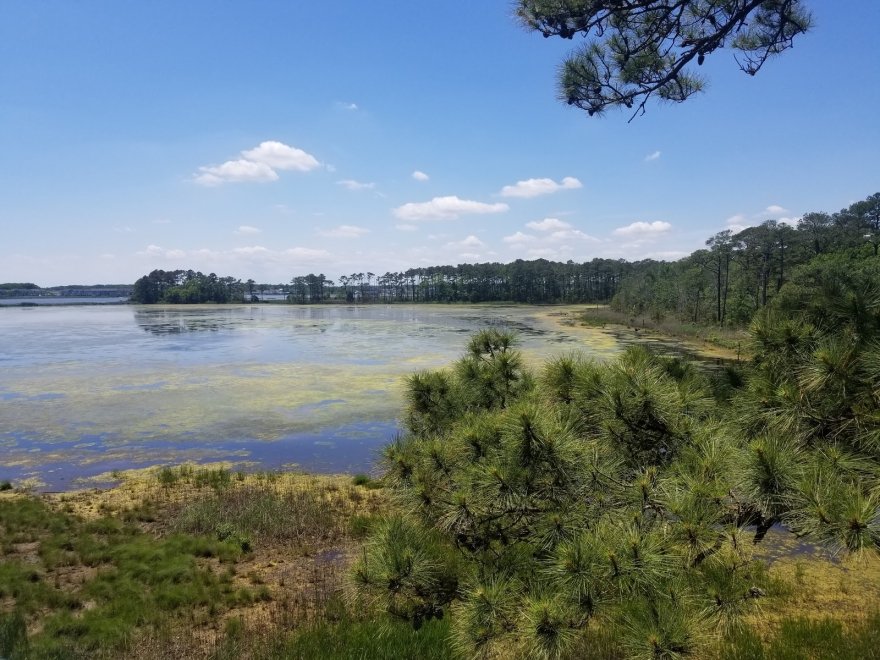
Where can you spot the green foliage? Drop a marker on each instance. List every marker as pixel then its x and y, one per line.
pixel 186 286
pixel 620 493
pixel 562 505
pixel 367 639
pixel 740 274
pixel 138 582
pixel 411 572
pixel 13 635
pixel 489 376
pixel 643 49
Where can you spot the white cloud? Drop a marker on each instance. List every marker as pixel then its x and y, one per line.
pixel 548 224
pixel 470 241
pixel 247 230
pixel 544 253
pixel 348 106
pixel 280 156
pixel 406 227
pixel 445 208
pixel 345 231
pixel 351 184
pixel 307 254
pixel 251 251
pixel 418 175
pixel 235 171
pixel 740 221
pixel 518 238
pixel 568 235
pixel 205 258
pixel 257 165
pixel 736 223
pixel 536 187
pixel 162 253
pixel 643 229
pixel 652 156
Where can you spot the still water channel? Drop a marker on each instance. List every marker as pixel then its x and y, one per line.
pixel 88 390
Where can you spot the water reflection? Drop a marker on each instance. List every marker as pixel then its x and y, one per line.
pixel 85 388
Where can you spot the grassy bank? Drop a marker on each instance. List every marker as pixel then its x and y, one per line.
pixel 711 340
pixel 207 563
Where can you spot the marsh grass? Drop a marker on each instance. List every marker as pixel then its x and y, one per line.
pixel 310 515
pixel 731 340
pixel 156 569
pixel 87 587
pixel 806 639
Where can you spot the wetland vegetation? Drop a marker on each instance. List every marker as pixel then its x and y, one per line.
pixel 633 507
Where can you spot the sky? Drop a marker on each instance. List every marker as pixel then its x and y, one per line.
pixel 269 139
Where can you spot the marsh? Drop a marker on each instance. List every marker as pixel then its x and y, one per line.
pixel 88 390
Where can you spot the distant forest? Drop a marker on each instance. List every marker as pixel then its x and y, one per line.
pixel 725 283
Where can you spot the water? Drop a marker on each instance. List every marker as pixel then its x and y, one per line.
pixel 61 300
pixel 90 389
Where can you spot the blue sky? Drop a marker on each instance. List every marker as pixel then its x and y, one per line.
pixel 271 139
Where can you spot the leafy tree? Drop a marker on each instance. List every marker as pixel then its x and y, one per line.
pixel 638 49
pixel 620 495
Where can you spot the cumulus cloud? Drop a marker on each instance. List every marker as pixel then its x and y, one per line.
pixel 251 251
pixel 348 105
pixel 536 187
pixel 449 207
pixel 208 259
pixel 736 223
pixel 280 156
pixel 740 221
pixel 235 171
pixel 157 251
pixel 518 238
pixel 345 231
pixel 418 175
pixel 652 156
pixel 470 241
pixel 643 229
pixel 246 230
pixel 554 239
pixel 548 224
pixel 257 165
pixel 307 254
pixel 351 184
pixel 568 235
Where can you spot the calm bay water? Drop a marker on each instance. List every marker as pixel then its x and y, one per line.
pixel 86 390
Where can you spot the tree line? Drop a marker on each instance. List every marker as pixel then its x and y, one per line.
pixel 736 274
pixel 537 281
pixel 187 286
pixel 739 273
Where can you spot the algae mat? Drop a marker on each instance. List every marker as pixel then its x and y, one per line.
pixel 85 390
